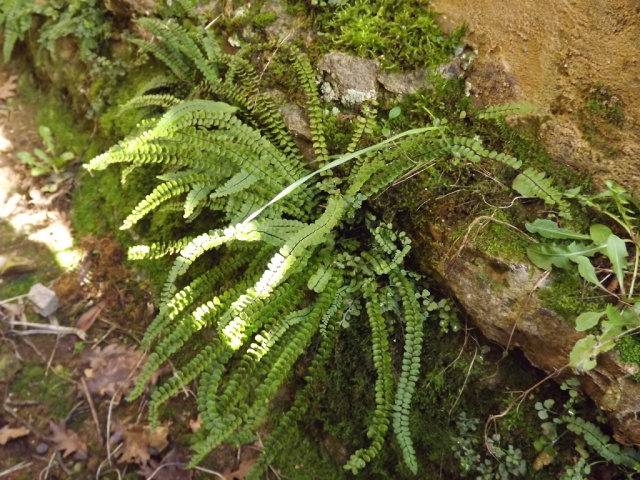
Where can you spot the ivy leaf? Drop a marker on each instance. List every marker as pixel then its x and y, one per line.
pixel 587 270
pixel 582 356
pixel 617 253
pixel 600 233
pixel 550 229
pixel 588 320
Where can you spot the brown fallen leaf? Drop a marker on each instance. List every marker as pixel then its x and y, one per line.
pixel 7 433
pixel 242 471
pixel 114 370
pixel 8 88
pixel 166 469
pixel 90 316
pixel 139 442
pixel 195 425
pixel 67 441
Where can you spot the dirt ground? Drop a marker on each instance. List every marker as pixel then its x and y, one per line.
pixel 63 378
pixel 577 62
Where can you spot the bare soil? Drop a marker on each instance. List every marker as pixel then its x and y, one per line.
pixel 560 56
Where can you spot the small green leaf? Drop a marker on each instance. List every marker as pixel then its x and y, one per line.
pixel 42 155
pixel 588 320
pixel 587 270
pixel 600 233
pixel 550 229
pixel 617 253
pixel 548 403
pixel 394 112
pixel 582 356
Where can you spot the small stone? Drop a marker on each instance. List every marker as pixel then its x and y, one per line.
pixel 42 448
pixel 296 121
pixel 44 300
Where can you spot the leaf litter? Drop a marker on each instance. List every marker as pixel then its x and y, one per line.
pixel 139 442
pixel 67 441
pixel 7 433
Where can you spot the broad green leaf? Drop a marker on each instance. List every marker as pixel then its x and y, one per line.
pixel 609 332
pixel 42 155
pixel 582 356
pixel 617 253
pixel 66 156
pixel 394 112
pixel 600 233
pixel 47 137
pixel 550 229
pixel 587 270
pixel 546 255
pixel 588 320
pixel 622 318
pixel 26 158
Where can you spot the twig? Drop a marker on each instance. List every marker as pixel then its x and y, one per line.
pixel 45 470
pixel 53 354
pixel 15 468
pixel 46 328
pixel 9 300
pixel 34 348
pixel 212 472
pixel 25 423
pixel 94 414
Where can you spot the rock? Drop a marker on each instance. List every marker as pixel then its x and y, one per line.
pixel 453 69
pixel 352 80
pixel 9 365
pixel 285 24
pixel 403 83
pixel 501 298
pixel 296 121
pixel 128 7
pixel 44 299
pixel 12 265
pixel 42 448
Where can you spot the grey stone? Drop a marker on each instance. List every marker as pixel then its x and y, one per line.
pixel 44 299
pixel 296 121
pixel 352 79
pixel 453 69
pixel 402 83
pixel 42 448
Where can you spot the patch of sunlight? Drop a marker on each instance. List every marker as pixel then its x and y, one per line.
pixel 54 233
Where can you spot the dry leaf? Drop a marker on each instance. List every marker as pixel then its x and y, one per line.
pixel 168 472
pixel 8 88
pixel 138 442
pixel 195 425
pixel 241 472
pixel 90 316
pixel 7 433
pixel 114 369
pixel 67 441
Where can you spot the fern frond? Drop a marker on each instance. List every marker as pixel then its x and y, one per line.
pixel 152 100
pixel 157 250
pixel 532 183
pixel 414 319
pixel 384 383
pixel 499 111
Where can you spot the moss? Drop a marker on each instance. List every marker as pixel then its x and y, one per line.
pixel 566 295
pixel 48 388
pixel 600 117
pixel 265 19
pixel 629 349
pixel 401 34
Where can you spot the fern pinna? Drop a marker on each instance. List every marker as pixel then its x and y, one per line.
pixel 285 272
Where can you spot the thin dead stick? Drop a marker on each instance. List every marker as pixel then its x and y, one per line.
pixel 9 300
pixel 25 423
pixel 53 354
pixel 466 379
pixel 15 468
pixel 212 472
pixel 94 414
pixel 34 348
pixel 43 328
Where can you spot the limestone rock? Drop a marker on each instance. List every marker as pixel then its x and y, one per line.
pixel 127 7
pixel 44 300
pixel 409 82
pixel 352 80
pixel 296 121
pixel 501 299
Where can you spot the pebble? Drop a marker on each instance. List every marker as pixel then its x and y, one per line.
pixel 42 448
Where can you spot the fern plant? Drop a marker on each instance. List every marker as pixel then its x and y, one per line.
pixel 296 249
